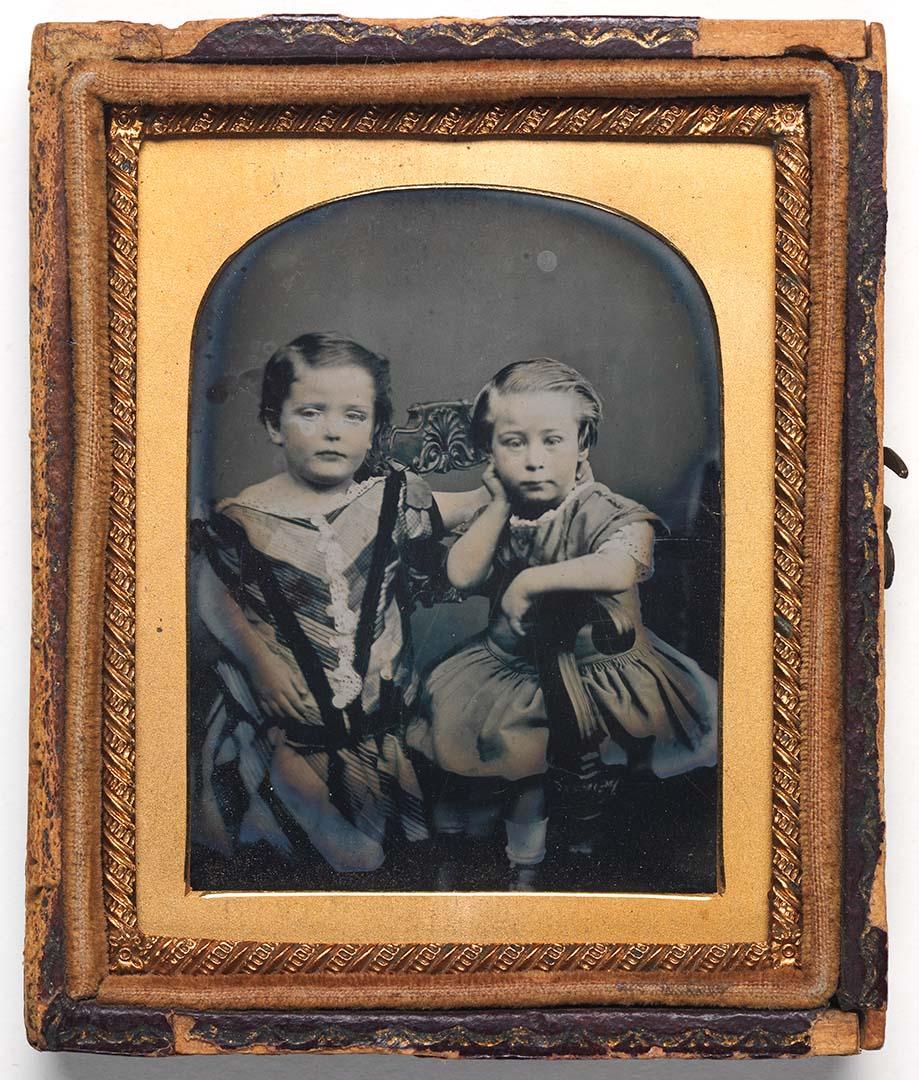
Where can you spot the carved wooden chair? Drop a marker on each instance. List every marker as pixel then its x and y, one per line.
pixel 435 439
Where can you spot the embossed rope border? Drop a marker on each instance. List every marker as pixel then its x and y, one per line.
pixel 779 122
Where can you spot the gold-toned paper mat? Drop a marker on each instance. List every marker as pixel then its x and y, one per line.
pixel 200 200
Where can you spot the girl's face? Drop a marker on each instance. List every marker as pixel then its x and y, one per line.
pixel 326 424
pixel 535 447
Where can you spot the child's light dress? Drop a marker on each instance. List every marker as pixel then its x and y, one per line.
pixel 482 711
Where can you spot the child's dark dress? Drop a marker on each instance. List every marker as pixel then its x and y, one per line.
pixel 482 711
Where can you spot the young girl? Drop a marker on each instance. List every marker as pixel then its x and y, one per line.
pixel 549 530
pixel 302 588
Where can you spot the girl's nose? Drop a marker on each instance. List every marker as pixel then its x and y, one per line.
pixel 535 459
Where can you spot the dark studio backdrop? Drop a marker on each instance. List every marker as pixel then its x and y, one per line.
pixel 451 284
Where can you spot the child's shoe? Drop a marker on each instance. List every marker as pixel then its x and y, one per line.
pixel 524 878
pixel 581 846
pixel 526 849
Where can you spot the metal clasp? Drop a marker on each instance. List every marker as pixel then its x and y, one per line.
pixel 895 463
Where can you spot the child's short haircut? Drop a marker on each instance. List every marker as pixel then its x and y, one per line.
pixel 326 350
pixel 536 376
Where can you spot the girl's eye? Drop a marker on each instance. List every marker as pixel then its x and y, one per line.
pixel 310 414
pixel 356 417
pixel 512 444
pixel 553 440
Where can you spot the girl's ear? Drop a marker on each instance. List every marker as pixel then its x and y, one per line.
pixel 274 433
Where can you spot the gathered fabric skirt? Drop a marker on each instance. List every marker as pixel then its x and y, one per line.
pixel 482 711
pixel 339 798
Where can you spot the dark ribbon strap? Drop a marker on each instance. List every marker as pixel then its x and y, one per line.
pixel 382 546
pixel 202 539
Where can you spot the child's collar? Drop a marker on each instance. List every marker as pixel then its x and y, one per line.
pixel 551 513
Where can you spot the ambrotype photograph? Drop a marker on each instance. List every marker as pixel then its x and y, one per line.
pixel 455 553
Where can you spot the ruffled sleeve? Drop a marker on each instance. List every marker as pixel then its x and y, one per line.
pixel 464 526
pixel 606 522
pixel 636 540
pixel 222 541
pixel 419 510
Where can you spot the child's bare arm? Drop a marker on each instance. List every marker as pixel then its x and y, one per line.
pixel 457 507
pixel 224 617
pixel 279 690
pixel 609 572
pixel 470 558
pixel 606 572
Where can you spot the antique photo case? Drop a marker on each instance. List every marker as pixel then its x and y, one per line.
pixel 442 601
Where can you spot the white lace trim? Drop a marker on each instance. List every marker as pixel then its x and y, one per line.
pixel 347 685
pixel 637 540
pixel 550 514
pixel 353 492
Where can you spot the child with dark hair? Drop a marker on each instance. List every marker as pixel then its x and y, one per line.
pixel 551 538
pixel 301 586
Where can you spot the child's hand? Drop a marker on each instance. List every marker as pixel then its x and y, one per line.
pixel 517 603
pixel 280 692
pixel 493 484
